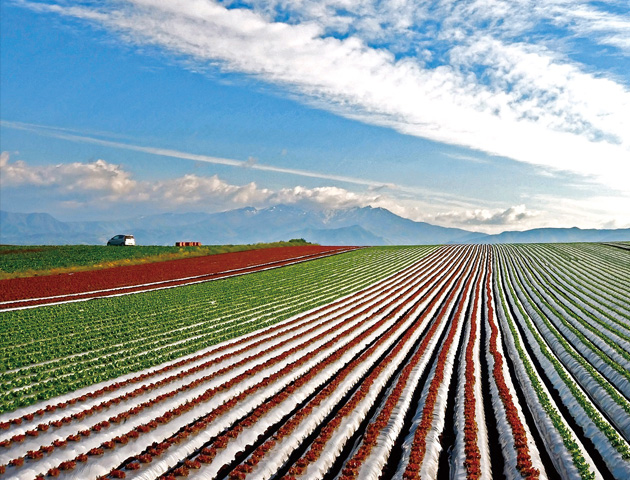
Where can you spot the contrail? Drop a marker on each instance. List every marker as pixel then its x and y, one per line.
pixel 66 134
pixel 166 152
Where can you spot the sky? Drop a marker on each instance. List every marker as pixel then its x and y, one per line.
pixel 487 115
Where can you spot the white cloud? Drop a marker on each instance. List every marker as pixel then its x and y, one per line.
pixel 92 182
pixel 98 176
pixel 18 173
pixel 98 185
pixel 435 196
pixel 97 181
pixel 512 216
pixel 87 184
pixel 489 92
pixel 164 152
pixel 324 197
pixel 587 21
pixel 467 158
pixel 211 192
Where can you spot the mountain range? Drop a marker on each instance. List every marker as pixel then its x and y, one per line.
pixel 353 226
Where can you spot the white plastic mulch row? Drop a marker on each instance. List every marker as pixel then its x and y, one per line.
pixel 181 451
pixel 600 337
pixel 280 453
pixel 616 464
pixel 458 456
pixel 506 438
pixel 25 410
pixel 112 459
pixel 558 451
pixel 576 347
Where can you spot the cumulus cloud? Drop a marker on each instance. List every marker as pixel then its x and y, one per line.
pixel 513 216
pixel 89 183
pixel 485 86
pixel 209 191
pixel 97 180
pixel 77 185
pixel 99 176
pixel 324 197
pixel 18 173
pixel 102 180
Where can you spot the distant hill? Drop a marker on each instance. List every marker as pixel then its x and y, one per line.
pixel 555 235
pixel 353 226
pixel 42 229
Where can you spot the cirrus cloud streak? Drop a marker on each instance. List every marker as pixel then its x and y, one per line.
pixel 478 84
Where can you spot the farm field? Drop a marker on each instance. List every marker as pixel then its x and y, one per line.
pixel 27 261
pixel 22 292
pixel 509 361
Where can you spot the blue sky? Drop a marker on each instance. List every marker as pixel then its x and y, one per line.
pixel 484 115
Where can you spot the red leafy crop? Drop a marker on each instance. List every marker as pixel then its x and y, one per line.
pixel 523 458
pixel 471 448
pixel 17 462
pixel 371 434
pixel 131 276
pixel 181 471
pixel 70 465
pixel 34 454
pixel 419 441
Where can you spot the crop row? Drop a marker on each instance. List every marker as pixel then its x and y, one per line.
pixel 30 292
pixel 255 360
pixel 16 261
pixel 51 350
pixel 473 362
